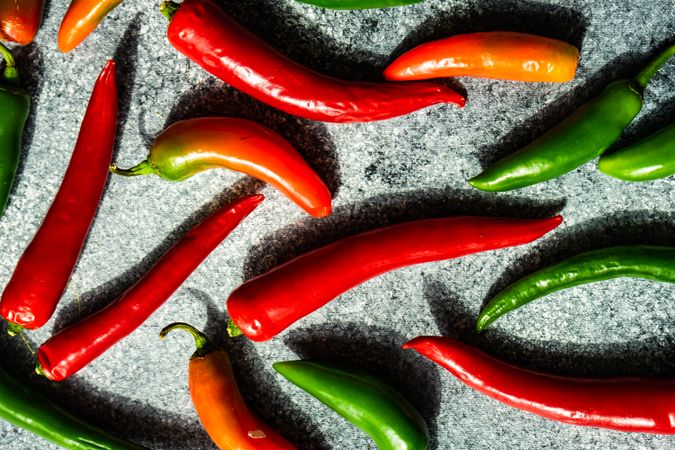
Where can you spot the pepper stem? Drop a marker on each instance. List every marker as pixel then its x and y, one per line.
pixel 201 341
pixel 142 168
pixel 232 329
pixel 10 74
pixel 168 9
pixel 644 77
pixel 14 328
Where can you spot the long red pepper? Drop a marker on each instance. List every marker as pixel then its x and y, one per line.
pixel 42 274
pixel 625 404
pixel 205 33
pixel 76 346
pixel 266 305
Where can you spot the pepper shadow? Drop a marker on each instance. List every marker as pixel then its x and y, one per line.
pixel 376 350
pixel 103 295
pixel 311 139
pixel 305 42
pixel 651 357
pixel 259 385
pixel 30 63
pixel 637 227
pixel 382 210
pixel 553 21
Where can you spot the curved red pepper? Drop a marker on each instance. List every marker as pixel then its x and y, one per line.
pixel 266 305
pixel 20 20
pixel 76 346
pixel 624 404
pixel 41 276
pixel 205 33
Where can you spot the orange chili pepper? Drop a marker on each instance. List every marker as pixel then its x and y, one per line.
pixel 218 402
pixel 20 20
pixel 498 54
pixel 82 17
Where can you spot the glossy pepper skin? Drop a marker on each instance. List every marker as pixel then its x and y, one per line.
pixel 502 55
pixel 191 146
pixel 43 271
pixel 650 159
pixel 638 261
pixel 640 405
pixel 82 17
pixel 219 403
pixel 581 137
pixel 359 4
pixel 74 347
pixel 15 105
pixel 205 33
pixel 266 305
pixel 28 409
pixel 364 400
pixel 20 20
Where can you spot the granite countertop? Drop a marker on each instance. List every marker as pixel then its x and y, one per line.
pixel 380 173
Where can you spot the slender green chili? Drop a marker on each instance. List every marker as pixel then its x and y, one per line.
pixel 650 159
pixel 362 399
pixel 359 4
pixel 584 135
pixel 15 105
pixel 639 261
pixel 30 410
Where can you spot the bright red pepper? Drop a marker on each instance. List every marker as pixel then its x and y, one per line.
pixel 42 274
pixel 205 33
pixel 266 305
pixel 20 20
pixel 626 404
pixel 76 346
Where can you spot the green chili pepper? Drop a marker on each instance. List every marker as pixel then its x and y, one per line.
pixel 359 4
pixel 14 105
pixel 364 400
pixel 650 159
pixel 30 410
pixel 639 261
pixel 584 135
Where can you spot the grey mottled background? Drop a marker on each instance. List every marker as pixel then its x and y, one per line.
pixel 385 172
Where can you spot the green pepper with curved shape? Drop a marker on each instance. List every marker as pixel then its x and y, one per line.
pixel 650 159
pixel 359 4
pixel 15 105
pixel 581 137
pixel 639 261
pixel 362 399
pixel 28 409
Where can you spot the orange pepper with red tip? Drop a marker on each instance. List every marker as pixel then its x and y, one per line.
pixel 502 55
pixel 82 17
pixel 219 403
pixel 20 20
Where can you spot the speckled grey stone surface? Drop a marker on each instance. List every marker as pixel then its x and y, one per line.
pixel 386 172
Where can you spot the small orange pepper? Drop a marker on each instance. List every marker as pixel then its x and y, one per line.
pixel 20 20
pixel 502 55
pixel 218 401
pixel 82 17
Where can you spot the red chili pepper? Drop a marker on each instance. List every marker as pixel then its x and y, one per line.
pixel 76 346
pixel 42 274
pixel 206 34
pixel 625 404
pixel 266 305
pixel 20 20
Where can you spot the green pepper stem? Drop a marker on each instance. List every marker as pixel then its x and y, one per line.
pixel 644 77
pixel 10 74
pixel 168 9
pixel 41 371
pixel 14 328
pixel 142 168
pixel 232 329
pixel 201 341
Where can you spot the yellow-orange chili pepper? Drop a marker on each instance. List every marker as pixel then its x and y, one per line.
pixel 218 402
pixel 498 54
pixel 82 17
